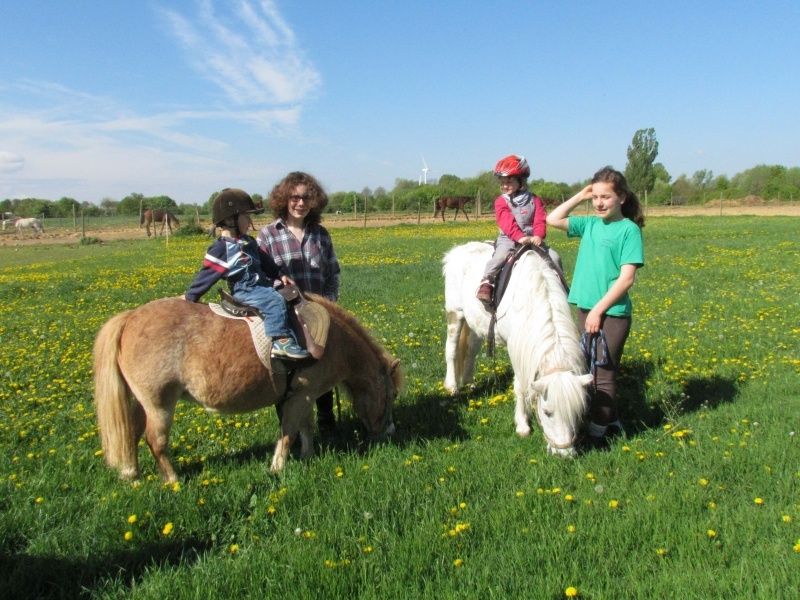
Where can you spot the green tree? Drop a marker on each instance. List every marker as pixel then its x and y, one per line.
pixel 64 206
pixel 109 206
pixel 660 173
pixel 641 155
pixel 129 205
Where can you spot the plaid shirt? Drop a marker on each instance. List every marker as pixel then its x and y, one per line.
pixel 312 263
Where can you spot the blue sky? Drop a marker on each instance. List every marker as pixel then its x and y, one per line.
pixel 103 98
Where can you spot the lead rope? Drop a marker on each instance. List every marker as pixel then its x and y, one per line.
pixel 589 344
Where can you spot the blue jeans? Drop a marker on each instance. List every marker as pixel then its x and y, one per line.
pixel 272 307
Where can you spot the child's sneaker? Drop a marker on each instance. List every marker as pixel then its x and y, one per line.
pixel 484 293
pixel 288 348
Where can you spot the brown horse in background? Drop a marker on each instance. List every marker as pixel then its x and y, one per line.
pixel 457 202
pixel 156 216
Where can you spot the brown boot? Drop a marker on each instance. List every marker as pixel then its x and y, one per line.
pixel 484 293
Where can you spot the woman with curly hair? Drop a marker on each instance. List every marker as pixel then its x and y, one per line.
pixel 302 250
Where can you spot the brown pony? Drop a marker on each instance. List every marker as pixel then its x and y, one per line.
pixel 139 375
pixel 156 216
pixel 457 202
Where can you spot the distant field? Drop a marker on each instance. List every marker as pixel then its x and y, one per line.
pixel 702 500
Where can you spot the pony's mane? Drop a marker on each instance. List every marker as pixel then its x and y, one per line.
pixel 358 332
pixel 548 333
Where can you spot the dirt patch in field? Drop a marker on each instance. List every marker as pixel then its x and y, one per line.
pixel 750 205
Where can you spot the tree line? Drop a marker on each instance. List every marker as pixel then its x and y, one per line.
pixel 646 177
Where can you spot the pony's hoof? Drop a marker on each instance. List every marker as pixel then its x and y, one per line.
pixel 129 474
pixel 523 432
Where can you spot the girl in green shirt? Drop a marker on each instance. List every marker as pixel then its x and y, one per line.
pixel 609 254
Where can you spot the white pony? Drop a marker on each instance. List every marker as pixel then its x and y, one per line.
pixel 29 223
pixel 535 323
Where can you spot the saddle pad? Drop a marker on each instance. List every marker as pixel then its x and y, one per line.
pixel 261 341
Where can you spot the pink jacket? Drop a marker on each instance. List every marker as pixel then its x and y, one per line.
pixel 508 224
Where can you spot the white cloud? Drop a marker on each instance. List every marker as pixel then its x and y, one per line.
pixel 10 162
pixel 251 54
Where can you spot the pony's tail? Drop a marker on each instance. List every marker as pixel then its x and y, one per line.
pixel 115 415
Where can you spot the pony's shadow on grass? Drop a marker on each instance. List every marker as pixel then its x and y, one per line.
pixel 695 394
pixel 26 576
pixel 433 415
pixel 436 415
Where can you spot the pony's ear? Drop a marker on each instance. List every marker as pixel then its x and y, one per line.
pixel 395 364
pixel 585 379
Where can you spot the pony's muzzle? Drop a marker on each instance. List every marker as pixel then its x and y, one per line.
pixel 384 435
pixel 569 452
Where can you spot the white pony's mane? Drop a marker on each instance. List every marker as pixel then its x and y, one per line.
pixel 545 336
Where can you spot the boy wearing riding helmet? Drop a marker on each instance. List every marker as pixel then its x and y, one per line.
pixel 520 217
pixel 235 257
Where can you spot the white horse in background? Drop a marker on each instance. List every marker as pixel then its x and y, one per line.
pixel 29 223
pixel 535 323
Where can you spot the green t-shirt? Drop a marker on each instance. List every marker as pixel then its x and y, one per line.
pixel 604 248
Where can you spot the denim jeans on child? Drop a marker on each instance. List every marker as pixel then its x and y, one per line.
pixel 272 307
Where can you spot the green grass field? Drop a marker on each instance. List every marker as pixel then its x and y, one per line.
pixel 700 501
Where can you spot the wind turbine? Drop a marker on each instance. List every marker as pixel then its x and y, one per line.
pixel 424 177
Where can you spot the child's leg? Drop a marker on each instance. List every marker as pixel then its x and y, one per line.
pixel 501 249
pixel 272 307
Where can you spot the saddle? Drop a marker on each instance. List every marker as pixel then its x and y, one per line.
pixel 307 317
pixel 501 283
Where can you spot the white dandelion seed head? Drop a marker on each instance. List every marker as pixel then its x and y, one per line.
pixel 298 531
pixel 599 488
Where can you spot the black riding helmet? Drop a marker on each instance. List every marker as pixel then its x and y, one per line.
pixel 231 202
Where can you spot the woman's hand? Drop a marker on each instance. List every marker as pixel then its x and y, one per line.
pixel 593 321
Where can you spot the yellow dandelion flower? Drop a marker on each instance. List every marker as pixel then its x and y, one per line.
pixel 702 481
pixel 39 500
pixel 128 536
pixel 661 552
pixel 167 530
pixel 796 547
pixel 519 494
pixel 571 592
pixel 458 563
pixel 132 519
pixel 712 505
pixel 711 534
pixel 612 504
pixel 233 548
pixel 758 501
pixel 569 498
pixel 571 528
pixel 367 549
pixel 786 518
pixel 271 510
